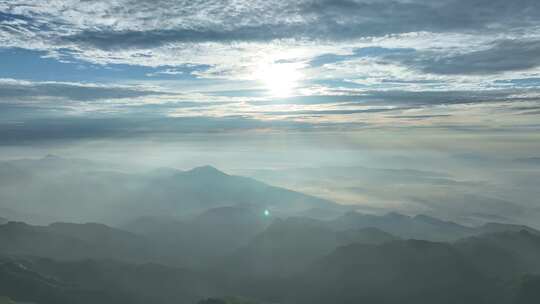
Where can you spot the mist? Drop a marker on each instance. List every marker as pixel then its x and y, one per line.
pixel 269 152
pixel 476 180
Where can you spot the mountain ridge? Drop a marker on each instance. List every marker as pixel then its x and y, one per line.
pixel 103 193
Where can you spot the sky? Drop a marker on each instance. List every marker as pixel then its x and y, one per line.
pixel 447 86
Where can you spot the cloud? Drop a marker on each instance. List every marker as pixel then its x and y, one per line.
pixel 227 21
pixel 402 98
pixel 502 56
pixel 383 44
pixel 15 90
pixel 373 51
pixel 421 117
pixel 327 112
pixel 69 128
pixel 109 25
pixel 118 40
pixel 355 56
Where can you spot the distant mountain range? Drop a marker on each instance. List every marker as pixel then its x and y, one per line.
pixel 483 269
pixel 288 246
pixel 240 235
pixel 419 227
pixel 203 236
pixel 411 271
pixel 206 237
pixel 82 191
pixel 72 242
pixel 45 281
pixel 493 268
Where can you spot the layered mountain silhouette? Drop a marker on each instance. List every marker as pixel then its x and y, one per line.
pixel 503 254
pixel 411 271
pixel 83 191
pixel 292 260
pixel 236 235
pixel 93 281
pixel 203 236
pixel 72 241
pixel 419 227
pixel 289 245
pixel 483 269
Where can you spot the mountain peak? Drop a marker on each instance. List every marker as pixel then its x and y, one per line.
pixel 206 170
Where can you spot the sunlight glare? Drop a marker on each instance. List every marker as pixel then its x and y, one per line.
pixel 280 79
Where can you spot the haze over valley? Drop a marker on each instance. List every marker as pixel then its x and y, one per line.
pixel 206 234
pixel 269 151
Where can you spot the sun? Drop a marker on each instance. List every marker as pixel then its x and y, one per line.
pixel 280 79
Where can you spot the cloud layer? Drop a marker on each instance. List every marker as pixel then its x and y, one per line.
pixel 443 63
pixel 445 86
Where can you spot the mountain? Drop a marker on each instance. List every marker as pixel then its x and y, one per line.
pixel 72 241
pixel 241 238
pixel 22 239
pixel 227 228
pixel 505 254
pixel 292 260
pixel 111 241
pixel 499 227
pixel 410 271
pixel 92 281
pixel 83 191
pixel 420 227
pixel 204 238
pixel 155 227
pixel 289 245
pixel 22 283
pixel 528 290
pixel 191 190
pixel 368 235
pixel 3 221
pixel 499 267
